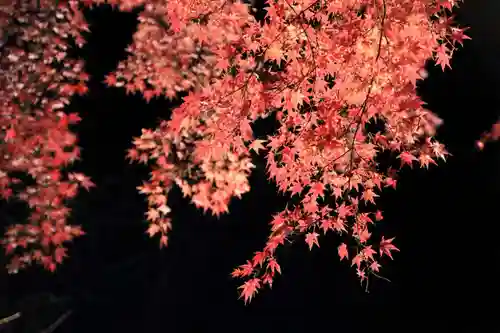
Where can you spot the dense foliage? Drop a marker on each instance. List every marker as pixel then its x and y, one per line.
pixel 339 75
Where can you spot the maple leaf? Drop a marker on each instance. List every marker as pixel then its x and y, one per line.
pixel 164 209
pixel 152 215
pixel 374 266
pixel 368 252
pixel 110 80
pixel 257 145
pixel 153 229
pixel 278 222
pixel 364 235
pixel 249 289
pixel 237 272
pixel 73 118
pixel 247 269
pixel 344 211
pixel 59 254
pixel 446 4
pixel 296 98
pixel 83 180
pixel 361 274
pixel 267 279
pixel 274 52
pixel 51 266
pixel 311 207
pixel 326 224
pixel 223 63
pixel 148 95
pixel 259 258
pixel 246 130
pixel 317 190
pixel 406 158
pixel 10 134
pixel 442 57
pixel 425 159
pixel 391 182
pixel 311 239
pixel 342 250
pixel 386 247
pixel 458 35
pixel 274 266
pixel 297 188
pixel 369 196
pixel 357 260
pixel 163 241
pixel 338 225
pixel 81 88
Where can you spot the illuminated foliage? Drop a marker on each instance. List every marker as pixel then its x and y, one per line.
pixel 326 69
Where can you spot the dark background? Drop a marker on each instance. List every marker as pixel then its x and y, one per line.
pixel 117 280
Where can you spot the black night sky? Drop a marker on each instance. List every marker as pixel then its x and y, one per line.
pixel 117 280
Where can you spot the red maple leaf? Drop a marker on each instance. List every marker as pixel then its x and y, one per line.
pixel 368 252
pixel 374 266
pixel 10 134
pixel 458 35
pixel 342 250
pixel 386 247
pixel 249 289
pixel 442 56
pixel 311 239
pixel 110 80
pixel 259 258
pixel 317 190
pixel 406 158
pixel 274 266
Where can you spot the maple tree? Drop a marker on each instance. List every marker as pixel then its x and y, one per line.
pixel 37 81
pixel 327 70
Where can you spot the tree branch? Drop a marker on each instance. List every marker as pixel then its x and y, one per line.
pixel 10 318
pixel 58 322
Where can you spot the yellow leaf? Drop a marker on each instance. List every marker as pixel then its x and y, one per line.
pixel 274 52
pixel 256 145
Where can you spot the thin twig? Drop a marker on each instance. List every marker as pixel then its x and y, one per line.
pixel 380 277
pixel 10 318
pixel 58 322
